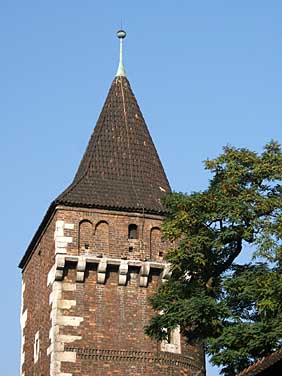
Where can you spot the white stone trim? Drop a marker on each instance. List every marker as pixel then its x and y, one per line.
pixel 81 266
pixel 69 320
pixel 166 273
pixel 123 271
pixel 58 320
pixel 144 274
pixel 102 270
pixel 23 323
pixel 23 320
pixel 91 259
pixel 66 304
pixel 51 275
pixel 23 290
pixel 36 347
pixel 62 241
pixel 68 286
pixel 174 345
pixel 57 271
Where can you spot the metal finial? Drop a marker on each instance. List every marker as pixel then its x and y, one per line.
pixel 121 34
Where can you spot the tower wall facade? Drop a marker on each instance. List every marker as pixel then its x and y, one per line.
pixel 86 299
pixel 35 310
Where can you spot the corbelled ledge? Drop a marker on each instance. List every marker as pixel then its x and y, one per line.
pixel 57 271
pixel 162 358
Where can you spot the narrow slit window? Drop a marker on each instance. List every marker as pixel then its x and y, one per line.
pixel 132 231
pixel 36 347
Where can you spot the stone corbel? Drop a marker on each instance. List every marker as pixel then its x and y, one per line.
pixel 81 266
pixel 122 275
pixel 166 273
pixel 60 265
pixel 144 274
pixel 101 272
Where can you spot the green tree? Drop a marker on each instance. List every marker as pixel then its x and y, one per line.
pixel 235 310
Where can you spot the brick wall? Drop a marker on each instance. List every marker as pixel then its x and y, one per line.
pixel 106 232
pixel 35 305
pixel 91 328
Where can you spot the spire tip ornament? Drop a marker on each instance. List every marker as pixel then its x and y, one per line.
pixel 121 34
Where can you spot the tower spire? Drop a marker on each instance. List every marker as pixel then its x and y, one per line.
pixel 121 34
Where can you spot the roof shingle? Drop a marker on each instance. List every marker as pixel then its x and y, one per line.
pixel 120 168
pixel 268 365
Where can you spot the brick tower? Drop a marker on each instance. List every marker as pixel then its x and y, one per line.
pixel 98 255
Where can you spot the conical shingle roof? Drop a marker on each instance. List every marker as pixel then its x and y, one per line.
pixel 120 168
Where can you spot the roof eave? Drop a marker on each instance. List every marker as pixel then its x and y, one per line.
pixel 262 364
pixel 51 210
pixel 112 207
pixel 45 221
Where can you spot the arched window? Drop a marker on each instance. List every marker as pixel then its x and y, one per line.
pixel 85 236
pixel 102 237
pixel 132 231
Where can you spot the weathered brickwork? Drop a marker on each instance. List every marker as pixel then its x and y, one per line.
pixel 106 232
pixel 36 304
pixel 113 340
pixel 86 294
pixel 88 273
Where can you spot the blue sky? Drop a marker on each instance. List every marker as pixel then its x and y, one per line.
pixel 205 73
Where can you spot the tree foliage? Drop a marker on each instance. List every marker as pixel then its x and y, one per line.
pixel 235 310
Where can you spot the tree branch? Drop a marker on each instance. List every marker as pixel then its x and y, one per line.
pixel 225 265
